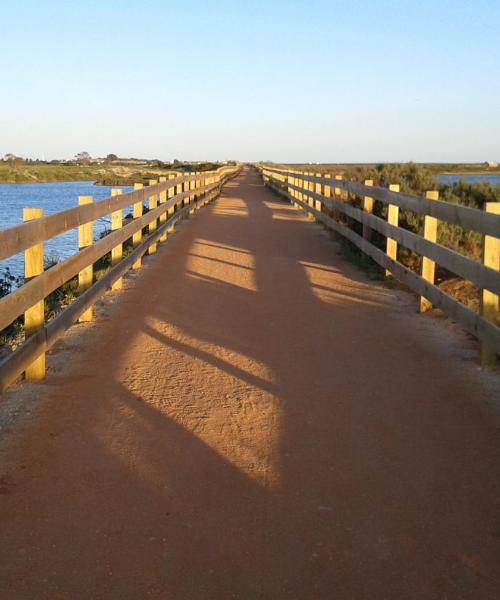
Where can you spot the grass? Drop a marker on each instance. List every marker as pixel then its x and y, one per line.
pixel 113 173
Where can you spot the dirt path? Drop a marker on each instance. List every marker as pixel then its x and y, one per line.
pixel 254 419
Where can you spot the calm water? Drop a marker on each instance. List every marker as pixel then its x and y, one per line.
pixel 451 179
pixel 52 198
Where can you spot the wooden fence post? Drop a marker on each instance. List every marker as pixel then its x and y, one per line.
pixel 117 251
pixel 137 214
pixel 163 217
pixel 428 265
pixel 311 189
pixel 86 276
pixel 34 317
pixel 327 192
pixel 185 188
pixel 192 187
pixel 367 206
pixel 337 192
pixel 392 219
pixel 317 203
pixel 490 304
pixel 178 190
pixel 152 204
pixel 301 184
pixel 295 182
pixel 170 194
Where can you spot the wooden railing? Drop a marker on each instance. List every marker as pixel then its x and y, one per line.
pixel 321 196
pixel 169 200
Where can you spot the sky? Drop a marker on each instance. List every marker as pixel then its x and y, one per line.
pixel 315 81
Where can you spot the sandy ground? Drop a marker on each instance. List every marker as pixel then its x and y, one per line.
pixel 253 418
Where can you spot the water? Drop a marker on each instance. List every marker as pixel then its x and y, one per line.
pixel 451 179
pixel 52 198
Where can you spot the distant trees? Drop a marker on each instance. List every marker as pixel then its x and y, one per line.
pixel 83 158
pixel 111 157
pixel 12 160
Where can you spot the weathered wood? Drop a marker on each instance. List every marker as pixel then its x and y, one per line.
pixel 137 211
pixel 162 197
pixel 490 304
pixel 152 204
pixel 457 263
pixel 85 239
pixel 471 321
pixel 429 266
pixel 317 189
pixel 367 205
pixel 470 219
pixel 16 302
pixel 19 238
pixel 117 251
pixel 35 315
pixel 17 362
pixel 392 219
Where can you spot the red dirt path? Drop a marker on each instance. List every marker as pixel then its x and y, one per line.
pixel 254 419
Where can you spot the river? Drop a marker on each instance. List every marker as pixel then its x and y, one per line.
pixel 52 198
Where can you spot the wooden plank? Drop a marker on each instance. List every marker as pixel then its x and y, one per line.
pixel 152 204
pixel 85 239
pixel 35 315
pixel 429 266
pixel 457 263
pixel 470 219
pixel 392 219
pixel 170 194
pixel 490 305
pixel 162 196
pixel 137 214
pixel 117 251
pixel 471 321
pixel 24 297
pixel 317 189
pixel 367 205
pixel 19 238
pixel 14 364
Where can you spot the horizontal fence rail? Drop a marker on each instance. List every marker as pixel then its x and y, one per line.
pixel 320 196
pixel 169 201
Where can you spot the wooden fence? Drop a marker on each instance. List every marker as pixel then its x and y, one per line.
pixel 169 200
pixel 321 196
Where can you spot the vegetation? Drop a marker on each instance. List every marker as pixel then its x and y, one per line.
pixel 417 179
pixel 107 171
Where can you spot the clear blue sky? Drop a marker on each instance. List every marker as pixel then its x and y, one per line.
pixel 325 81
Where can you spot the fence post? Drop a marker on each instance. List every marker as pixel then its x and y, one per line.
pixel 367 206
pixel 117 251
pixel 34 316
pixel 185 188
pixel 429 266
pixel 137 214
pixel 337 192
pixel 178 190
pixel 86 276
pixel 392 219
pixel 192 187
pixel 317 203
pixel 163 216
pixel 152 204
pixel 490 304
pixel 170 195
pixel 295 193
pixel 311 189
